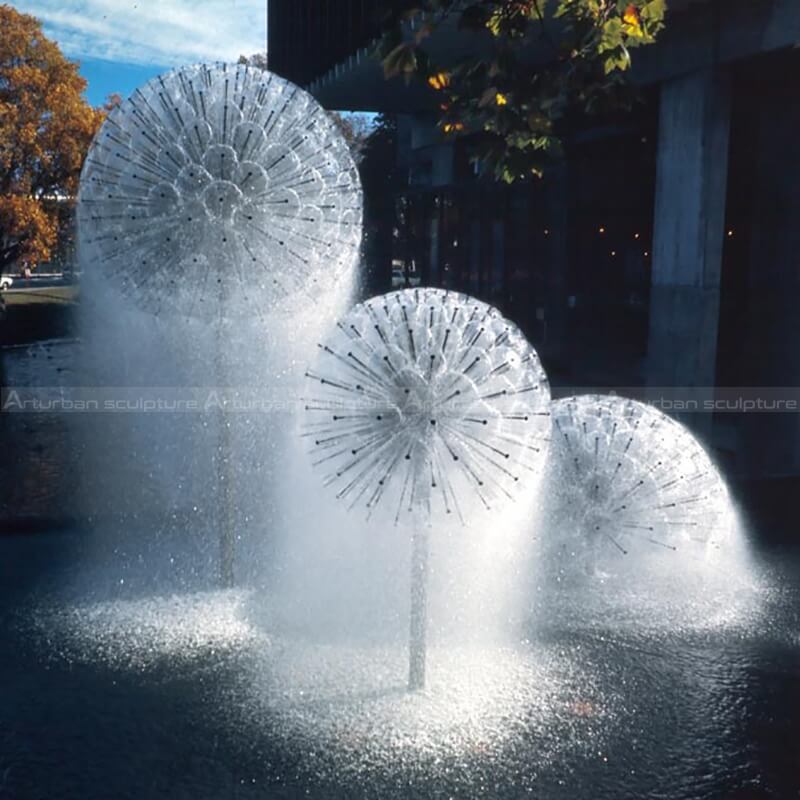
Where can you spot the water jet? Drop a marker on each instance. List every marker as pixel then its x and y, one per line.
pixel 431 403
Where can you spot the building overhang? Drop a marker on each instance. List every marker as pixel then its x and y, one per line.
pixel 699 34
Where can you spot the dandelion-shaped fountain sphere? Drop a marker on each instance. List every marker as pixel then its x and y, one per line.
pixel 219 192
pixel 427 400
pixel 628 477
pixel 430 404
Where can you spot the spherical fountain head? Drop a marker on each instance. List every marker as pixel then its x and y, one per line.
pixel 427 400
pixel 220 191
pixel 626 477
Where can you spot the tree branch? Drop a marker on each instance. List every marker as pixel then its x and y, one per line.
pixel 542 23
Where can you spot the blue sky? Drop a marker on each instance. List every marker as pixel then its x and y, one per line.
pixel 123 43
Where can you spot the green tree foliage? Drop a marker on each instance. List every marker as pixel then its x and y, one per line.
pixel 532 63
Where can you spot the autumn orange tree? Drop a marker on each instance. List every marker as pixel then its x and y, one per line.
pixel 531 64
pixel 45 130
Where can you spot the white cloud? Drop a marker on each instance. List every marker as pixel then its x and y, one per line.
pixel 162 32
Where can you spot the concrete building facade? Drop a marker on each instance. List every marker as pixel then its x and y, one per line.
pixel 661 252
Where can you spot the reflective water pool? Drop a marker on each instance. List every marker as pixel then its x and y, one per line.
pixel 188 697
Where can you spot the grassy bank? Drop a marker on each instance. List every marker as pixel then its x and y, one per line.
pixel 55 295
pixel 32 314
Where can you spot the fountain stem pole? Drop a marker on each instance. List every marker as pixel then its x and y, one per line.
pixel 418 622
pixel 226 521
pixel 418 628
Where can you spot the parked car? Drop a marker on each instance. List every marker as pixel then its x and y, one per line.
pixel 5 282
pixel 401 271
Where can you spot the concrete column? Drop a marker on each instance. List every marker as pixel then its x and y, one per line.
pixel 771 350
pixel 555 328
pixel 689 230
